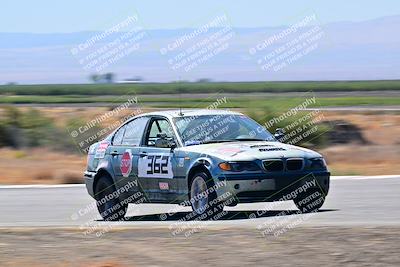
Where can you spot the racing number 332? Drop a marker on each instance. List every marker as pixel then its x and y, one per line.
pixel 155 165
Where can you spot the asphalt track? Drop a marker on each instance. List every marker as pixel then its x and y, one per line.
pixel 352 201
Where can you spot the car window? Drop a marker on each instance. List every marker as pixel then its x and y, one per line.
pixel 134 131
pixel 159 126
pixel 118 136
pixel 220 127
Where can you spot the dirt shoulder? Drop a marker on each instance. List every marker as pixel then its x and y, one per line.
pixel 326 246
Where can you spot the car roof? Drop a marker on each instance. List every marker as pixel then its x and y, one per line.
pixel 190 112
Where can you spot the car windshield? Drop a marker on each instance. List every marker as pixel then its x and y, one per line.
pixel 220 128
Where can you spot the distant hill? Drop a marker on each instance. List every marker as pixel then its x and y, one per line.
pixel 347 51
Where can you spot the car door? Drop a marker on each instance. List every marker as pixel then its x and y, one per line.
pixel 125 150
pixel 157 165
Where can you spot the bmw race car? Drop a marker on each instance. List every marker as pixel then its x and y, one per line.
pixel 206 159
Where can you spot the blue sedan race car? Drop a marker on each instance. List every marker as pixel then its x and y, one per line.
pixel 206 159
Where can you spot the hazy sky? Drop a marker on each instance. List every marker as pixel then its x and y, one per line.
pixel 48 16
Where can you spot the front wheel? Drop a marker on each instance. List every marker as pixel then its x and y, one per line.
pixel 204 200
pixel 310 201
pixel 108 204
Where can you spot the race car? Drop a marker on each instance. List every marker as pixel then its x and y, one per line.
pixel 206 159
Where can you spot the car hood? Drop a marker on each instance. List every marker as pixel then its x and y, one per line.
pixel 251 150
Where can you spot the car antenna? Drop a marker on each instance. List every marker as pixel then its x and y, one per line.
pixel 180 97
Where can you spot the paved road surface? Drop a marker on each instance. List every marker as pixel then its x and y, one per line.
pixel 351 201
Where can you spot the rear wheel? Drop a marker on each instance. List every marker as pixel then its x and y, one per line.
pixel 310 201
pixel 203 200
pixel 108 203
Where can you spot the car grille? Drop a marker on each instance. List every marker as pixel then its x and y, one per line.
pixel 294 164
pixel 273 165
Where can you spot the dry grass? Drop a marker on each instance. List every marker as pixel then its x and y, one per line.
pixel 42 166
pixel 363 160
pixel 379 129
pixel 381 156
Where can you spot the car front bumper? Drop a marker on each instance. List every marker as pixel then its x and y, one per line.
pixel 89 180
pixel 262 187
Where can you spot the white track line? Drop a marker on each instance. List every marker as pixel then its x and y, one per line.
pixel 40 186
pixel 44 186
pixel 364 177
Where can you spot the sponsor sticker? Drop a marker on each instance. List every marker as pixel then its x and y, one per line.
pixel 181 162
pixel 101 150
pixel 126 163
pixel 163 186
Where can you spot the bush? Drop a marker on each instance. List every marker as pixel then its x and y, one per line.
pixel 31 129
pixel 307 135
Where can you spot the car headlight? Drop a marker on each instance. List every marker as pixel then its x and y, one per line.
pixel 239 166
pixel 316 164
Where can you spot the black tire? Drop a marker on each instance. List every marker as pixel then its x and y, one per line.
pixel 110 208
pixel 310 201
pixel 213 208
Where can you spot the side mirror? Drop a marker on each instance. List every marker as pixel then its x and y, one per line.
pixel 279 134
pixel 163 141
pixel 172 145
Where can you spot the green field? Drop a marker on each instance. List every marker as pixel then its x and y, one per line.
pixel 175 102
pixel 168 94
pixel 187 88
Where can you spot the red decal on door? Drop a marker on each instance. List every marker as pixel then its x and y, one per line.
pixel 126 163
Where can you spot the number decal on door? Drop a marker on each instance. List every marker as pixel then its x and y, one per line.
pixel 155 165
pixel 150 164
pixel 164 165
